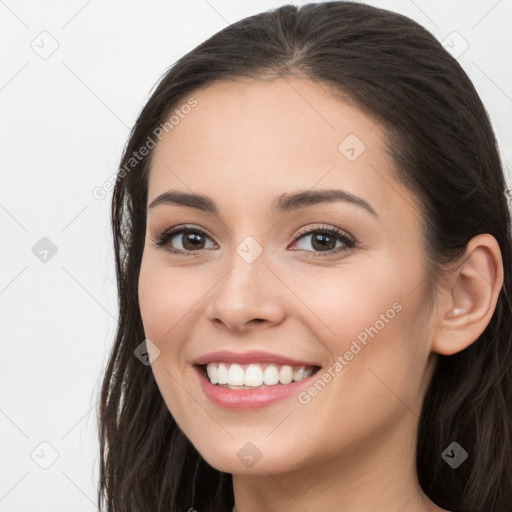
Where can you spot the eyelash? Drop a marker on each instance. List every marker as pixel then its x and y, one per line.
pixel 347 240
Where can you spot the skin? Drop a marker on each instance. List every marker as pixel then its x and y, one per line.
pixel 352 447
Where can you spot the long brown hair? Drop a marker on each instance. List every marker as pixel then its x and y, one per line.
pixel 444 150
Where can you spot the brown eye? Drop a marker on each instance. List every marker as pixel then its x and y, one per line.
pixel 323 241
pixel 192 240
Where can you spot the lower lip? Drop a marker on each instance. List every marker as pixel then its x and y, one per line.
pixel 246 399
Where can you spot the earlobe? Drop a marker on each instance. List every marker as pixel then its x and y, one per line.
pixel 470 296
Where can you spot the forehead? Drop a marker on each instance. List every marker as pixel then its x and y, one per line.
pixel 249 141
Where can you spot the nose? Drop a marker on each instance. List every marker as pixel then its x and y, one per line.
pixel 247 297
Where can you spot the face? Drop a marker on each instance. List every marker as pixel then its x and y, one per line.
pixel 337 284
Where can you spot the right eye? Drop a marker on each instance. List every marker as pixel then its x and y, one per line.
pixel 191 239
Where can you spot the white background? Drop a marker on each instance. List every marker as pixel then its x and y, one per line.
pixel 64 121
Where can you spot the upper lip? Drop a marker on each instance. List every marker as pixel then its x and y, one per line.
pixel 253 356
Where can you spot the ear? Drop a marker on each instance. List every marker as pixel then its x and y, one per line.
pixel 468 297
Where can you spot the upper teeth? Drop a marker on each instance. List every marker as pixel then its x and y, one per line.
pixel 254 374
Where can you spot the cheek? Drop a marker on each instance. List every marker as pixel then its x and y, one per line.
pixel 153 300
pixel 165 296
pixel 164 299
pixel 372 316
pixel 380 353
pixel 347 301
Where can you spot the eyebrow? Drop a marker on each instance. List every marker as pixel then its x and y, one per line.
pixel 283 204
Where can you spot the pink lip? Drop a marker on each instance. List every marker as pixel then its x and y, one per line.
pixel 247 399
pixel 253 356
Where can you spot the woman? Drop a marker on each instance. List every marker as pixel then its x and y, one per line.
pixel 313 254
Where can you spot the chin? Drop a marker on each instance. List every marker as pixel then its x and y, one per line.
pixel 241 456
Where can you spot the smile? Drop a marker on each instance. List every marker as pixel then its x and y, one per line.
pixel 242 397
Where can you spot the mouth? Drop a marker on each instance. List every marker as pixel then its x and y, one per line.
pixel 224 384
pixel 254 376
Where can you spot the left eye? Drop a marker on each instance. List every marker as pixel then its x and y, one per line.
pixel 324 240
